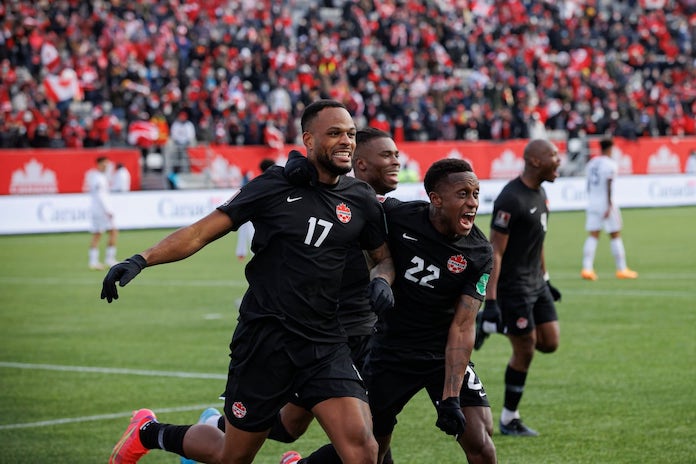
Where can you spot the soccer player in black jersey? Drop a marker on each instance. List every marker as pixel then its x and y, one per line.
pixel 288 339
pixel 442 262
pixel 520 300
pixel 375 161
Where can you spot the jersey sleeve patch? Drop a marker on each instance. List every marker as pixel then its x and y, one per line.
pixel 502 219
pixel 482 284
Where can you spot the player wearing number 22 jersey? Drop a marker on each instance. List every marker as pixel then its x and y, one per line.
pixel 435 275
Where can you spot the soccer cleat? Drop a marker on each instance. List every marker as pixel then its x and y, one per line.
pixel 290 457
pixel 205 415
pixel 129 448
pixel 626 274
pixel 111 262
pixel 96 267
pixel 588 274
pixel 516 428
pixel 480 334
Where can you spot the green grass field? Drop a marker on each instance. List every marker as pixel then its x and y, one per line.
pixel 619 390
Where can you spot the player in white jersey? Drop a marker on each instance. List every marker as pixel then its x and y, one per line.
pixel 602 212
pixel 102 215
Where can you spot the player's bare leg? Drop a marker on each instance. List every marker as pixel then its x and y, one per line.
pixel 348 424
pixel 205 443
pixel 476 440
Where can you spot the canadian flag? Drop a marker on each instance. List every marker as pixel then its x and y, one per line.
pixel 63 87
pixel 274 137
pixel 142 133
pixel 50 58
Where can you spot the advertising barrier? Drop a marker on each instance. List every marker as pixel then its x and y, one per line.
pixel 42 171
pixel 22 214
pixel 227 165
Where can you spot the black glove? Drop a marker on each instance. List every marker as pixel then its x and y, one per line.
pixel 381 295
pixel 122 273
pixel 299 171
pixel 492 318
pixel 450 418
pixel 555 293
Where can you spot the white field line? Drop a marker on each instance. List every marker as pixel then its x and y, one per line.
pixel 112 370
pixel 71 420
pixel 106 370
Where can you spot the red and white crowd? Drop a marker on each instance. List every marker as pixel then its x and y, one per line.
pixel 77 73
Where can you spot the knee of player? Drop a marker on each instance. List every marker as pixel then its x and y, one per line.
pixel 288 429
pixel 548 347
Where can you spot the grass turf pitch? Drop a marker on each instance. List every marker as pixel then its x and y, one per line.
pixel 619 389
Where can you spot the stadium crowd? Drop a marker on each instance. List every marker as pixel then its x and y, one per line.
pixel 81 73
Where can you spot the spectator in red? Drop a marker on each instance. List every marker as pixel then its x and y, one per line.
pixel 73 133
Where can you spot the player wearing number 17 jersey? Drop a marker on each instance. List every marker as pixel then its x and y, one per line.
pixel 442 262
pixel 288 339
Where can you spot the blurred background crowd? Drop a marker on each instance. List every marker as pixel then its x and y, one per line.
pixel 147 73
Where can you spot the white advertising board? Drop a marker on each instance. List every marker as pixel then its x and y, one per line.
pixel 29 214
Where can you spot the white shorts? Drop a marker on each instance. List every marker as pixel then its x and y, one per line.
pixel 101 223
pixel 595 220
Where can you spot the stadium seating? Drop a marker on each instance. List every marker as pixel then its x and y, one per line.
pixel 471 70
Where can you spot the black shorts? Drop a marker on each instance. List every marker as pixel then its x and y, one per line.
pixel 269 365
pixel 390 389
pixel 359 346
pixel 522 313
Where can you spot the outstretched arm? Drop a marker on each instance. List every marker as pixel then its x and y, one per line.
pixel 178 245
pixel 186 241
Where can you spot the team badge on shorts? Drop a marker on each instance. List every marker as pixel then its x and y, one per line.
pixel 522 323
pixel 239 410
pixel 343 213
pixel 456 264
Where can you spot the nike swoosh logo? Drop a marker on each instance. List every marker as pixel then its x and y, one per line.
pixel 290 199
pixel 533 210
pixel 408 237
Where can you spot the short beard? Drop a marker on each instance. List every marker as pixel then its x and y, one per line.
pixel 331 167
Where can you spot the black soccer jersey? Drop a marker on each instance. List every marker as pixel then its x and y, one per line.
pixel 522 214
pixel 432 272
pixel 300 242
pixel 354 309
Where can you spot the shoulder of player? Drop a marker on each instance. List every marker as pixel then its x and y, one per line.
pixel 511 195
pixel 354 185
pixel 394 207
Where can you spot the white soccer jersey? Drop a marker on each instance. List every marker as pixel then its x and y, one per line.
pixel 599 171
pixel 99 192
